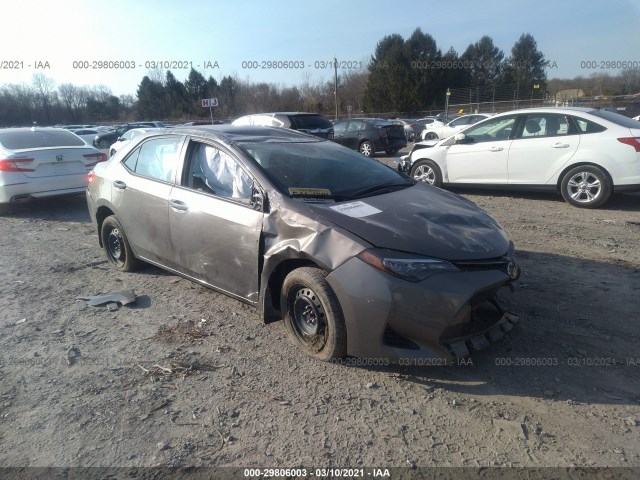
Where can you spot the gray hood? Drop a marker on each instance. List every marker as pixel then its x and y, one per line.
pixel 424 220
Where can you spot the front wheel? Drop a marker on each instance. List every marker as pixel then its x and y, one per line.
pixel 367 148
pixel 586 186
pixel 116 245
pixel 427 171
pixel 312 315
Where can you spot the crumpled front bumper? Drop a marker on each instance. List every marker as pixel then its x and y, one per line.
pixel 443 317
pixel 403 164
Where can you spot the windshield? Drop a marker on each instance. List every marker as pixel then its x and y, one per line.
pixel 320 169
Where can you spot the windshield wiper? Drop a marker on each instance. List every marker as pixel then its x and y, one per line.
pixel 380 188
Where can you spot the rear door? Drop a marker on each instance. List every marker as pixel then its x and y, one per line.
pixel 543 144
pixel 215 229
pixel 140 194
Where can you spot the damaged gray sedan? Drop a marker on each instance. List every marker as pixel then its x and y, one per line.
pixel 356 258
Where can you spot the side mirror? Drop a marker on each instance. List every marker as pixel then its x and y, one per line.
pixel 120 139
pixel 257 198
pixel 460 138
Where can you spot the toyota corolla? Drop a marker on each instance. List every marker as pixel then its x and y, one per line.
pixel 354 257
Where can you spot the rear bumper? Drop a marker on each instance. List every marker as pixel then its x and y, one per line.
pixel 443 317
pixel 22 189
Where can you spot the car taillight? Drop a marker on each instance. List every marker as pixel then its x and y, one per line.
pixel 92 176
pixel 99 157
pixel 633 141
pixel 14 165
pixel 383 132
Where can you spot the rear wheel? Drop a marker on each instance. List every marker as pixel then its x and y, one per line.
pixel 116 245
pixel 586 186
pixel 430 136
pixel 427 171
pixel 312 315
pixel 367 148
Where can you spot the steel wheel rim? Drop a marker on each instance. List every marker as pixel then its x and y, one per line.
pixel 115 245
pixel 308 318
pixel 365 149
pixel 584 187
pixel 424 173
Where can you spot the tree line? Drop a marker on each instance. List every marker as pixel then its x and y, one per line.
pixel 403 75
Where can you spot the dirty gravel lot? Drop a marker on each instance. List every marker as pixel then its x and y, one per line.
pixel 189 377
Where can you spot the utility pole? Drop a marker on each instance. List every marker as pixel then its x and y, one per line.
pixel 335 80
pixel 446 103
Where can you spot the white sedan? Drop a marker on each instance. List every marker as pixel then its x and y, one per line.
pixel 436 130
pixel 127 137
pixel 87 134
pixel 584 154
pixel 43 162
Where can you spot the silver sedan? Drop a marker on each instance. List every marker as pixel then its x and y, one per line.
pixel 356 258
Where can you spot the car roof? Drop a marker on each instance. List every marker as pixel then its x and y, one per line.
pixel 243 133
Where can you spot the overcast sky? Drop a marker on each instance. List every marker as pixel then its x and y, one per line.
pixel 232 33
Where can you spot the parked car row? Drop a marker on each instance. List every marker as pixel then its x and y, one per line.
pixel 106 139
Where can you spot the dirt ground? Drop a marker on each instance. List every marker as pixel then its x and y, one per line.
pixel 189 377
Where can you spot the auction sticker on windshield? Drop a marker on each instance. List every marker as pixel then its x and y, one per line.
pixel 356 209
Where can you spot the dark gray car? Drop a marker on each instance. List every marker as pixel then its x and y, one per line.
pixel 356 258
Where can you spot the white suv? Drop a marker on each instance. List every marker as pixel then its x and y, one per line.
pixel 584 154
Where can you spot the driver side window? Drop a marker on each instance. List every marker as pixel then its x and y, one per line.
pixel 491 130
pixel 214 171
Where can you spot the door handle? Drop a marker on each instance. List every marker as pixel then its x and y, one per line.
pixel 560 145
pixel 496 149
pixel 178 205
pixel 119 184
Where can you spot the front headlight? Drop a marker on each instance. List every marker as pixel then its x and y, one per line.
pixel 405 265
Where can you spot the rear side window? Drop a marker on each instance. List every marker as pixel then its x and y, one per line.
pixel 587 126
pixel 157 158
pixel 21 139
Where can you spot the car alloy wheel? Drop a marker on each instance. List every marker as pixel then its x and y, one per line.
pixel 431 136
pixel 586 186
pixel 427 171
pixel 366 148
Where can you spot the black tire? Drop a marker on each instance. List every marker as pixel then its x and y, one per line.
pixel 427 171
pixel 411 137
pixel 586 186
pixel 431 136
pixel 392 151
pixel 367 148
pixel 116 246
pixel 312 314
